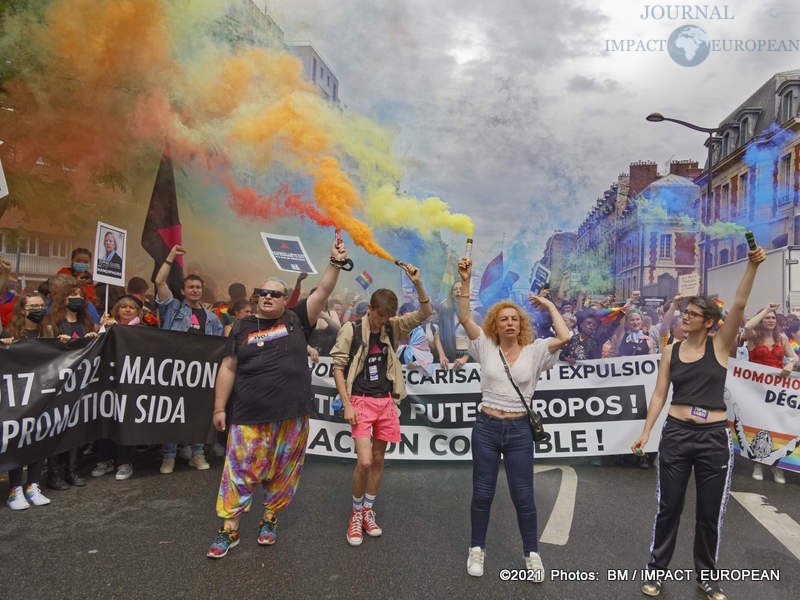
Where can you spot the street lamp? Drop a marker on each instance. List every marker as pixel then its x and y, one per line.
pixel 657 118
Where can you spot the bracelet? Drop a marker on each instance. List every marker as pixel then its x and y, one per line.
pixel 168 262
pixel 219 410
pixel 421 301
pixel 335 264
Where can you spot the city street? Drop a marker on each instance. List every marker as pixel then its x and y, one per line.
pixel 147 537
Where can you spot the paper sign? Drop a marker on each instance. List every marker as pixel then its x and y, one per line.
pixel 288 253
pixel 109 254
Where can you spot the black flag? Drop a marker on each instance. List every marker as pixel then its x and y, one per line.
pixel 162 228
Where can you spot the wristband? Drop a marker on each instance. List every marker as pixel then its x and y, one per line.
pixel 421 301
pixel 219 410
pixel 168 262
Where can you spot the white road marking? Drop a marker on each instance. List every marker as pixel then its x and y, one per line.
pixel 560 522
pixel 785 529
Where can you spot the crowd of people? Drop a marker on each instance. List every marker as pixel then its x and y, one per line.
pixel 262 391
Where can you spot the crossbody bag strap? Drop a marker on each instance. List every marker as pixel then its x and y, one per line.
pixel 519 393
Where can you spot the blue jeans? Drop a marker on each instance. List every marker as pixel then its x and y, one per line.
pixel 511 439
pixel 170 450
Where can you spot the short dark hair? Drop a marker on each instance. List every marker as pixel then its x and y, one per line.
pixel 137 285
pixel 77 251
pixel 238 305
pixel 194 278
pixel 710 308
pixel 385 300
pixel 237 291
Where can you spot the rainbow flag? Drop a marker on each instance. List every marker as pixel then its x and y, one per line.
pixel 794 344
pixel 364 279
pixel 609 314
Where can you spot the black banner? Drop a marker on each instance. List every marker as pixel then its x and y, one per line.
pixel 134 385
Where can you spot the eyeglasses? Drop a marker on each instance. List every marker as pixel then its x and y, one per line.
pixel 693 314
pixel 271 293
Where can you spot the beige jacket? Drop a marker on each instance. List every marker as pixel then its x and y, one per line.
pixel 401 327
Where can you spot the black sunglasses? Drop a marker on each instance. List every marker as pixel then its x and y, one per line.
pixel 272 293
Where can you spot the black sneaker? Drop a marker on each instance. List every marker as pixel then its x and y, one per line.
pixel 712 590
pixel 651 587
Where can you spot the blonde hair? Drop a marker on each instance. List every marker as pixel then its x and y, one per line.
pixel 489 326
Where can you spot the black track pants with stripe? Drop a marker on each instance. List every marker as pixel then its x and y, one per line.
pixel 707 449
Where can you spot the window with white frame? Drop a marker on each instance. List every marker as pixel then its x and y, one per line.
pixel 725 201
pixel 742 194
pixel 27 246
pixel 59 249
pixel 745 129
pixel 785 179
pixel 665 246
pixel 728 143
pixel 788 105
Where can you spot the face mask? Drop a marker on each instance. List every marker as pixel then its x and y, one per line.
pixel 80 267
pixel 36 314
pixel 76 304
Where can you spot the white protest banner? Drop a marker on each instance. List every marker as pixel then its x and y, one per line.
pixel 591 408
pixel 288 253
pixel 109 254
pixel 764 407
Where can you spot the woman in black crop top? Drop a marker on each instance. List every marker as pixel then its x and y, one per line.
pixel 695 435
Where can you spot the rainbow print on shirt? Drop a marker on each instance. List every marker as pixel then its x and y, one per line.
pixel 268 335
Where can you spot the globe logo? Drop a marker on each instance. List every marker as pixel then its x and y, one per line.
pixel 689 45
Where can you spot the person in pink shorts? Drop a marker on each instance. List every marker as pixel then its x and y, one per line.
pixel 369 379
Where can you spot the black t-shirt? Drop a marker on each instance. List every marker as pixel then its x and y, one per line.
pixel 372 380
pixel 198 322
pixel 273 381
pixel 73 330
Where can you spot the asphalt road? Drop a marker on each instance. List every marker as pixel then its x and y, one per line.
pixel 147 537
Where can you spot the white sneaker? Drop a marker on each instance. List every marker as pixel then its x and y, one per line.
pixel 124 472
pixel 167 465
pixel 758 472
pixel 34 495
pixel 103 468
pixel 778 475
pixel 199 462
pixel 16 499
pixel 185 452
pixel 533 562
pixel 475 561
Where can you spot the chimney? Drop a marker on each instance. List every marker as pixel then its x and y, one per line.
pixel 685 168
pixel 643 173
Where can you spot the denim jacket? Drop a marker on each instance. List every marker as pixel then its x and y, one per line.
pixel 176 315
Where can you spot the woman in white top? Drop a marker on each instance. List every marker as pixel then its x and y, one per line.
pixel 501 426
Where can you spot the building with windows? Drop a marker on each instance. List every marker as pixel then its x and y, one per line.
pixel 755 170
pixel 317 71
pixel 657 239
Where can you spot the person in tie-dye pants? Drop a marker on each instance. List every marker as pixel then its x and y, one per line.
pixel 263 397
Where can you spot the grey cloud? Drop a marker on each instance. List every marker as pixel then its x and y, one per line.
pixel 581 83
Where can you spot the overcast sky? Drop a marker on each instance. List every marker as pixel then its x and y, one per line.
pixel 513 112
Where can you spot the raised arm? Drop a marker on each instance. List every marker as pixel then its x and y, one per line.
pixel 425 308
pixel 464 316
pixel 726 336
pixel 559 326
pixel 162 289
pixel 318 300
pixel 751 325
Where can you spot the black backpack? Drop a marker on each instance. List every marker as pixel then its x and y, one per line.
pixel 358 341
